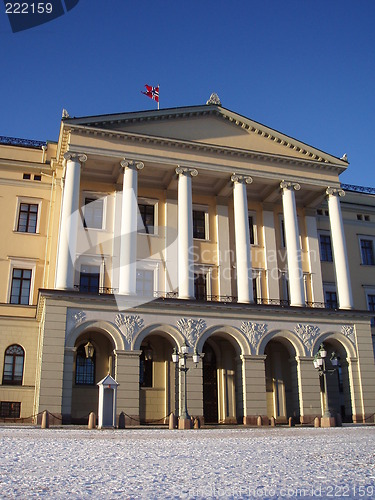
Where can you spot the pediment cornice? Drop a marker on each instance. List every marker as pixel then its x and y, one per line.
pixel 194 146
pixel 104 121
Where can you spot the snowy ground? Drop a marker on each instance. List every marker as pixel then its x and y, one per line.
pixel 224 463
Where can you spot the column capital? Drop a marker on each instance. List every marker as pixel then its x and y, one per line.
pixel 289 185
pixel 81 157
pixel 133 164
pixel 186 171
pixel 242 179
pixel 330 191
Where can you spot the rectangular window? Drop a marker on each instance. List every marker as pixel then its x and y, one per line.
pixel 10 409
pixel 89 279
pixel 21 285
pixel 252 230
pixel 147 212
pixel 199 224
pixel 282 230
pixel 367 252
pixel 93 213
pixel 371 306
pixel 325 248
pixel 330 299
pixel 200 286
pixel 27 218
pixel 145 283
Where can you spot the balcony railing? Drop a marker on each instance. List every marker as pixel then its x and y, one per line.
pixel 231 299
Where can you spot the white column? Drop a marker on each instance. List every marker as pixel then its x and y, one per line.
pixel 185 233
pixel 242 238
pixel 69 221
pixel 128 238
pixel 340 255
pixel 293 249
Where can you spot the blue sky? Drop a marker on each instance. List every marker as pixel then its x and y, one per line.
pixel 303 67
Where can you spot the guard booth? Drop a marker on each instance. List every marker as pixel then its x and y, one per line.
pixel 107 402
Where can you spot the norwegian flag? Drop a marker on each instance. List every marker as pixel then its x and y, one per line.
pixel 152 92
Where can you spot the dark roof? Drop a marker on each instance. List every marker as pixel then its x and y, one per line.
pixel 24 143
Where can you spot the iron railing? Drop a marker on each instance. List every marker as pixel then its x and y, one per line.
pixel 226 299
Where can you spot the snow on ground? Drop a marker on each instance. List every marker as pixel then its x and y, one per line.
pixel 208 463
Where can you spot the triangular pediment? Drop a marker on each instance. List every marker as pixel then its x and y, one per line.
pixel 208 125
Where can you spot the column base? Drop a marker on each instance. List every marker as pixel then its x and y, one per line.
pixel 328 422
pixel 184 423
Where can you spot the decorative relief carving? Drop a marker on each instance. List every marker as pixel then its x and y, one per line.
pixel 348 331
pixel 129 325
pixel 191 329
pixel 254 331
pixel 307 333
pixel 79 317
pixel 214 99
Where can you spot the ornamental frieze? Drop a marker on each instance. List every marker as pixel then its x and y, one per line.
pixel 191 329
pixel 307 333
pixel 348 331
pixel 129 325
pixel 254 331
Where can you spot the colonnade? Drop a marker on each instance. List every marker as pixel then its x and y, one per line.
pixel 127 271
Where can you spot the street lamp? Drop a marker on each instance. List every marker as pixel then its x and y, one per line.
pixel 321 365
pixel 180 360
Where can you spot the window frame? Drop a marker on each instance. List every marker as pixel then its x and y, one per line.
pixel 81 348
pixel 18 407
pixel 206 271
pixel 325 234
pixel 151 202
pixel 370 292
pixel 15 380
pixel 94 196
pixel 29 201
pixel 24 264
pixel 153 266
pixel 204 210
pixel 90 260
pixel 365 237
pixel 253 215
pixel 330 288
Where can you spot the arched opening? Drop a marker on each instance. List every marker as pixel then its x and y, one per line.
pixel 281 380
pixel 157 379
pixel 92 362
pixel 13 365
pixel 222 380
pixel 338 382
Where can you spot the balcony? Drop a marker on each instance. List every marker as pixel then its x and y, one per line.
pixel 228 299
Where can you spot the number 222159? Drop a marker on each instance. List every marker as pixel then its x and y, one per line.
pixel 28 8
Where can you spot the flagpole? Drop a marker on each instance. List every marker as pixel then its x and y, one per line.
pixel 159 96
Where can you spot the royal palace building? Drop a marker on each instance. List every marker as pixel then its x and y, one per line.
pixel 194 229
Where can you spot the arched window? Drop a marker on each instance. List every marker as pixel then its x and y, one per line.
pixel 85 367
pixel 13 365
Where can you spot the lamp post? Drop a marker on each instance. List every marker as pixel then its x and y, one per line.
pixel 180 360
pixel 320 363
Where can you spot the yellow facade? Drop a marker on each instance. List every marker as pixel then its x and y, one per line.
pixel 261 352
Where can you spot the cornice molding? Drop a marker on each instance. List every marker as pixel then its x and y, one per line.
pixel 203 147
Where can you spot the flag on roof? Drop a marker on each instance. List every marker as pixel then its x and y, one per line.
pixel 152 92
